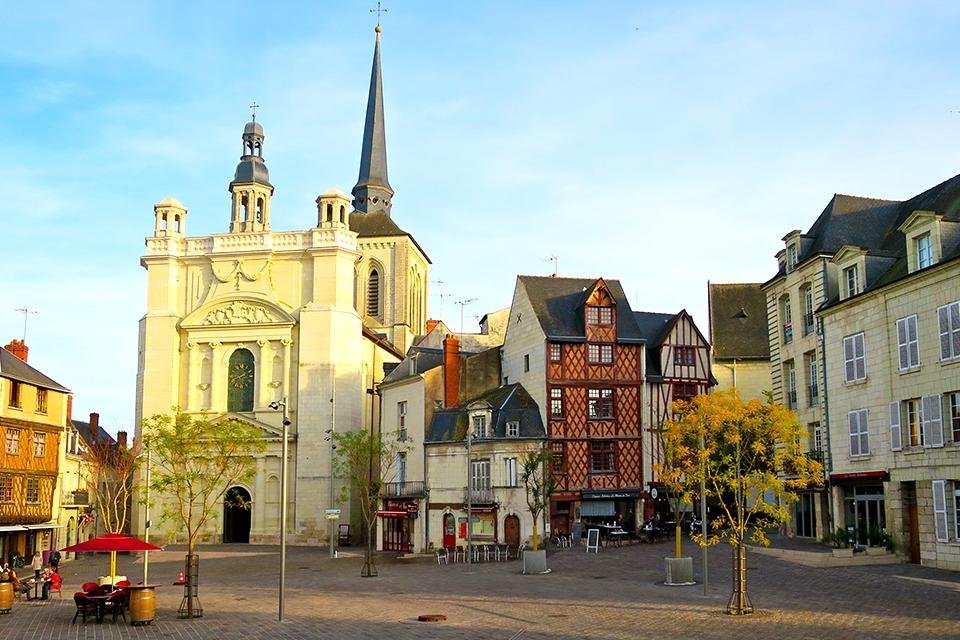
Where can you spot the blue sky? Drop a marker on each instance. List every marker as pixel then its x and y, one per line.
pixel 664 144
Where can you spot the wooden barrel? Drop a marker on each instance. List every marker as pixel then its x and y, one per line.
pixel 6 597
pixel 143 605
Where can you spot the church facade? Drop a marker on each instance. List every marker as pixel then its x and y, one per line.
pixel 241 319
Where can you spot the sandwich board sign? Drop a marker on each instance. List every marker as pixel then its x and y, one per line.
pixel 593 540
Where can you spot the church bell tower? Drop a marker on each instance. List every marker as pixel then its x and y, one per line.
pixel 251 189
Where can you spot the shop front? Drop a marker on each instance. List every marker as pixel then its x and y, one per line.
pixel 606 507
pixel 398 518
pixel 862 502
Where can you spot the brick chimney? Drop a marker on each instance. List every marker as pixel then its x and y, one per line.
pixel 18 348
pixel 451 371
pixel 69 409
pixel 431 324
pixel 95 426
pixel 122 440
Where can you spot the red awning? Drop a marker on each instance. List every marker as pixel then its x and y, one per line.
pixel 112 542
pixel 392 514
pixel 860 475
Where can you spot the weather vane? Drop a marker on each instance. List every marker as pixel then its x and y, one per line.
pixel 378 11
pixel 253 107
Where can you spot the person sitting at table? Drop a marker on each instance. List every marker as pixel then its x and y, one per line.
pixel 18 585
pixel 47 577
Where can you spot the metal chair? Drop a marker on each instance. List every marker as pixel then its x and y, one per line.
pixel 441 556
pixel 460 554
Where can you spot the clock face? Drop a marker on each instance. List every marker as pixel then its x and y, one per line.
pixel 241 376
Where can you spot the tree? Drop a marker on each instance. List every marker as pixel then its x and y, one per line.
pixel 749 458
pixel 367 461
pixel 196 459
pixel 539 484
pixel 111 467
pixel 671 475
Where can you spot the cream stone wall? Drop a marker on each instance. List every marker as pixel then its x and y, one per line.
pixel 875 314
pixel 524 336
pixel 750 377
pixel 289 298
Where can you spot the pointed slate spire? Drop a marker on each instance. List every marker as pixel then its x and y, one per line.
pixel 373 192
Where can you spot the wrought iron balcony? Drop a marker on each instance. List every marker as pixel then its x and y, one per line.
pixel 403 489
pixel 478 496
pixel 814 395
pixel 816 456
pixel 792 398
pixel 808 324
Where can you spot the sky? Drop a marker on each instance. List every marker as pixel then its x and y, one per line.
pixel 663 144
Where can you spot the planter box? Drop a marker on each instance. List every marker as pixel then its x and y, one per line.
pixel 877 551
pixel 534 561
pixel 679 571
pixel 843 553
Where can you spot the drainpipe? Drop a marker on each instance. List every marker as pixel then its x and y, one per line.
pixel 822 374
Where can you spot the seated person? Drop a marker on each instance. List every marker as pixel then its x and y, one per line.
pixel 47 578
pixel 18 585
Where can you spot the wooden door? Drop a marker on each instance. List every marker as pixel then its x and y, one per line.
pixel 449 531
pixel 913 522
pixel 511 531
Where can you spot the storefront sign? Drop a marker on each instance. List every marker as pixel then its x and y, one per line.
pixel 861 475
pixel 610 494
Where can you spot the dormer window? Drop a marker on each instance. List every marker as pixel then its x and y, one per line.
pixel 600 315
pixel 479 424
pixel 792 257
pixel 923 245
pixel 851 281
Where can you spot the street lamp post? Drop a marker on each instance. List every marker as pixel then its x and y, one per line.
pixel 469 501
pixel 277 405
pixel 146 529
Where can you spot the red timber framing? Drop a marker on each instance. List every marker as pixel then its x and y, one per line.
pixel 683 377
pixel 571 431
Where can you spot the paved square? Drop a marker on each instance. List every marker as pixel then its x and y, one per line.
pixel 613 594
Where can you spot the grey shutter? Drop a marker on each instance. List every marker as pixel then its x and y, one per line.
pixel 853 421
pixel 932 421
pixel 896 439
pixel 940 510
pixel 903 344
pixel 943 317
pixel 913 343
pixel 848 357
pixel 860 359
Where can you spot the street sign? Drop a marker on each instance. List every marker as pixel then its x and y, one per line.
pixel 332 514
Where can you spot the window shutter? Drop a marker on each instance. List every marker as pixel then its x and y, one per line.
pixel 864 433
pixel 903 344
pixel 944 332
pixel 896 440
pixel 913 342
pixel 852 419
pixel 932 421
pixel 940 510
pixel 860 361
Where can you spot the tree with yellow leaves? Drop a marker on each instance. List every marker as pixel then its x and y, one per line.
pixel 749 460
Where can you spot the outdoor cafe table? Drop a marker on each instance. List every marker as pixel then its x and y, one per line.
pixel 101 602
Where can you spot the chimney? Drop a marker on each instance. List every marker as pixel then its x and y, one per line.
pixel 431 324
pixel 69 409
pixel 451 371
pixel 122 440
pixel 95 425
pixel 18 348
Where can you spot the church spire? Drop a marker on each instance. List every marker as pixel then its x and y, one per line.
pixel 373 192
pixel 251 189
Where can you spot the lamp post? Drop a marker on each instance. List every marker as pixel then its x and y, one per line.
pixel 276 406
pixel 469 499
pixel 146 529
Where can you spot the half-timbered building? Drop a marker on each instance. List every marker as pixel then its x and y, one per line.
pixel 604 379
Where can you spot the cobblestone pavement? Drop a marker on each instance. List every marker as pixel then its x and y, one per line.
pixel 617 593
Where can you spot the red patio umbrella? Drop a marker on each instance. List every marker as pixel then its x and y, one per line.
pixel 112 542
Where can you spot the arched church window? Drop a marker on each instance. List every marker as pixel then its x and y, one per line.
pixel 163 222
pixel 259 209
pixel 343 213
pixel 176 224
pixel 245 203
pixel 240 377
pixel 329 212
pixel 373 293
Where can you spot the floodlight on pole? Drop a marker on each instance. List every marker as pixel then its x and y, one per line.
pixel 277 405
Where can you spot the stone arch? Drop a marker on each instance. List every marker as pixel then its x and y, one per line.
pixel 375 289
pixel 237 504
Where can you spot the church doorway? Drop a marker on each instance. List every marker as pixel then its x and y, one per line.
pixel 236 515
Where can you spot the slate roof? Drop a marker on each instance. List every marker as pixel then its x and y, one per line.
pixel 654 327
pixel 419 360
pixel 14 368
pixel 509 403
pixel 83 428
pixel 872 224
pixel 378 224
pixel 558 304
pixel 738 321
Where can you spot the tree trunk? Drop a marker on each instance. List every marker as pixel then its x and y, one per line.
pixel 369 569
pixel 190 605
pixel 739 603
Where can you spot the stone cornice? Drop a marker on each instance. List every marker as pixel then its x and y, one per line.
pixel 265 242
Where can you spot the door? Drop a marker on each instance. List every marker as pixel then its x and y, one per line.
pixel 511 531
pixel 236 515
pixel 449 531
pixel 913 521
pixel 804 516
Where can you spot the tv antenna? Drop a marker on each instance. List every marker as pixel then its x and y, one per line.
pixel 26 311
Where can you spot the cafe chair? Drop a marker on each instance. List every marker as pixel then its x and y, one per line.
pixel 441 556
pixel 56 584
pixel 89 586
pixel 85 607
pixel 116 604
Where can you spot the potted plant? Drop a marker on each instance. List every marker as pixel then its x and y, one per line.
pixel 539 484
pixel 841 544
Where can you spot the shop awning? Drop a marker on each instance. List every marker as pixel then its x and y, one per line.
pixel 392 514
pixel 45 525
pixel 12 527
pixel 860 475
pixel 596 508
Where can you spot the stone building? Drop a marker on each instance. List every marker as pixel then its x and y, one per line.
pixel 241 319
pixel 738 334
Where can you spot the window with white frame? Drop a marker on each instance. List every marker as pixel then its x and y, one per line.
pixel 600 315
pixel 914 430
pixel 854 362
pixel 908 343
pixel 39 444
pixel 924 250
pixel 480 475
pixel 33 490
pixel 401 467
pixel 940 510
pixel 931 412
pixel 791 257
pixel 786 317
pixel 949 319
pixel 513 429
pixel 859 433
pixel 556 403
pixel 510 472
pixel 600 353
pixel 806 293
pixel 813 392
pixel 6 488
pixel 851 279
pixel 554 352
pixel 402 420
pixel 790 375
pixel 600 403
pixel 479 423
pixel 817 436
pixel 41 400
pixel 956 511
pixel 954 400
pixel 13 442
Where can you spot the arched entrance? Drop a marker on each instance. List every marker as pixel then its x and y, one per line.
pixel 449 531
pixel 511 531
pixel 236 515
